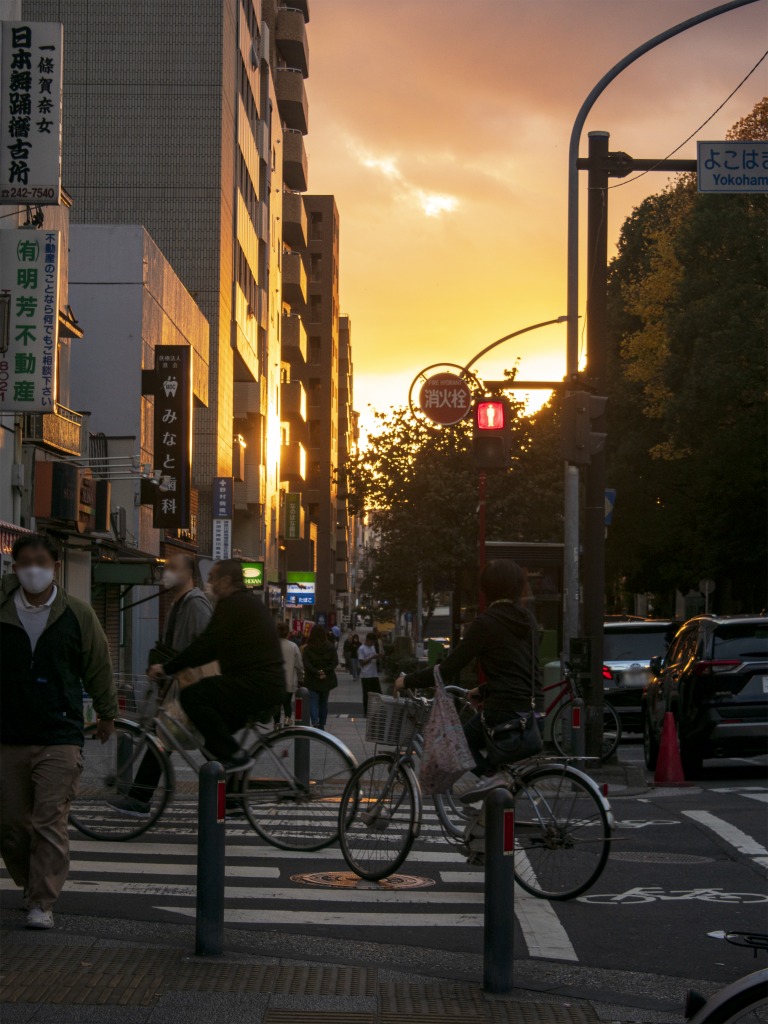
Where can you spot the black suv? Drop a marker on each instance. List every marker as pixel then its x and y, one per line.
pixel 714 680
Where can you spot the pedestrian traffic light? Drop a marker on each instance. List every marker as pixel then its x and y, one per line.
pixel 492 433
pixel 578 441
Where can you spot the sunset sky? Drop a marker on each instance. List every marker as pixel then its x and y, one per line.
pixel 442 128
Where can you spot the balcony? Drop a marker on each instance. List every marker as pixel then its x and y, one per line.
pixel 294 160
pixel 294 221
pixel 292 98
pixel 301 5
pixel 294 348
pixel 293 402
pixel 293 463
pixel 59 431
pixel 291 38
pixel 250 398
pixel 294 279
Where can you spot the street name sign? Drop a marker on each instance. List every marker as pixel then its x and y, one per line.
pixel 727 167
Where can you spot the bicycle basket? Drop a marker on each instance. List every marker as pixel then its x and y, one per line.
pixel 390 721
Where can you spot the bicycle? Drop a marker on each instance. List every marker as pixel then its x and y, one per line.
pixel 744 1000
pixel 562 820
pixel 289 794
pixel 568 689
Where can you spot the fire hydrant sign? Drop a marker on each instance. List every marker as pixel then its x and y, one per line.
pixel 30 116
pixel 29 281
pixel 732 166
pixel 445 398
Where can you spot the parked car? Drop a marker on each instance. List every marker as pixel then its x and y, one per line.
pixel 714 680
pixel 628 647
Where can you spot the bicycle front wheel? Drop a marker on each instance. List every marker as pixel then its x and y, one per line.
pixel 378 818
pixel 744 1001
pixel 125 784
pixel 562 835
pixel 291 794
pixel 562 736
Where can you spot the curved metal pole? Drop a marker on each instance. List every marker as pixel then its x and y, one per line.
pixel 514 334
pixel 572 351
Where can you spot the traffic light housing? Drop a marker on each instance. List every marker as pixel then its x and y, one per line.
pixel 579 441
pixel 491 433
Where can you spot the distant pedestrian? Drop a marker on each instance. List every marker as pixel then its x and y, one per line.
pixel 293 668
pixel 320 661
pixel 53 646
pixel 367 656
pixel 351 647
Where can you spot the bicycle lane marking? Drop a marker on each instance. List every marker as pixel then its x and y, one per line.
pixel 654 893
pixel 739 840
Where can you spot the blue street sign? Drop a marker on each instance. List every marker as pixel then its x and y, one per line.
pixel 610 501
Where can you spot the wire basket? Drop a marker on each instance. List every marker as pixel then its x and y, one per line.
pixel 392 722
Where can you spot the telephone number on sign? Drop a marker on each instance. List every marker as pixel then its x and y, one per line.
pixel 27 193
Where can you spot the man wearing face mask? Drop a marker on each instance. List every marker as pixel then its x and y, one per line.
pixel 243 638
pixel 53 647
pixel 188 616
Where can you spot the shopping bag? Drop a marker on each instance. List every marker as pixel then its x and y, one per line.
pixel 177 721
pixel 446 755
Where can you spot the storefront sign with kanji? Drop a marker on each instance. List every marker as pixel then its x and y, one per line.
pixel 30 112
pixel 29 286
pixel 173 436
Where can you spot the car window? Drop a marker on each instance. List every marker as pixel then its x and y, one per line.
pixel 740 640
pixel 634 645
pixel 683 647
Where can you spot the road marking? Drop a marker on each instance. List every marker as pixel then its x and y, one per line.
pixel 543 933
pixel 144 867
pixel 733 836
pixel 302 918
pixel 762 797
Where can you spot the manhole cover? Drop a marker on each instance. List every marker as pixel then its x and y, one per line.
pixel 349 880
pixel 662 858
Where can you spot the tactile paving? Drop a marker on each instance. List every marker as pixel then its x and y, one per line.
pixel 324 981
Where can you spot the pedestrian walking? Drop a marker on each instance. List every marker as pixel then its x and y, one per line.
pixel 53 646
pixel 351 647
pixel 242 637
pixel 368 660
pixel 188 616
pixel 293 669
pixel 320 661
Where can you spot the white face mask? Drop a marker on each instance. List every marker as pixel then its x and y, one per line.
pixel 170 579
pixel 35 578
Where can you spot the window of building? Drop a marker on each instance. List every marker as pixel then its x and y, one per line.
pixel 315 350
pixel 316 266
pixel 315 226
pixel 315 309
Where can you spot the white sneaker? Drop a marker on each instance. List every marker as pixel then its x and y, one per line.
pixel 39 918
pixel 483 787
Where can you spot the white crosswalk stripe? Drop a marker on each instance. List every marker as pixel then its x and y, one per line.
pixel 732 835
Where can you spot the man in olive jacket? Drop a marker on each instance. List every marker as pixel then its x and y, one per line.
pixel 52 648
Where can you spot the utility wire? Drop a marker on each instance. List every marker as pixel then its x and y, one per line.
pixel 694 133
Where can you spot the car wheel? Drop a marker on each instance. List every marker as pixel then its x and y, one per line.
pixel 650 743
pixel 691 757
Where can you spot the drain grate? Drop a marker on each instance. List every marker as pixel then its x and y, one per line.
pixel 641 857
pixel 349 880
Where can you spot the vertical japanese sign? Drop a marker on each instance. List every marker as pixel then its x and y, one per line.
pixel 29 279
pixel 293 516
pixel 223 501
pixel 30 115
pixel 173 435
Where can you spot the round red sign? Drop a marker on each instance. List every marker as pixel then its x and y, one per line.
pixel 445 398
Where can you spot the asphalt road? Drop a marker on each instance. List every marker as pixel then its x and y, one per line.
pixel 685 863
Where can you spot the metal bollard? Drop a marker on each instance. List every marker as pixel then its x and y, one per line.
pixel 578 731
pixel 499 923
pixel 211 834
pixel 301 750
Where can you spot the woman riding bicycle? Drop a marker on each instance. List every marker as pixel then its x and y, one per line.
pixel 504 641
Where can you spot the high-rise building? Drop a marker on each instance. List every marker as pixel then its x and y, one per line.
pixel 189 119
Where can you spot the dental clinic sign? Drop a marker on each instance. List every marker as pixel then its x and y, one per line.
pixel 173 436
pixel 30 112
pixel 726 167
pixel 29 319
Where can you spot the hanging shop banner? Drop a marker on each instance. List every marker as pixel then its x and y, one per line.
pixel 253 574
pixel 173 435
pixel 292 516
pixel 29 286
pixel 30 112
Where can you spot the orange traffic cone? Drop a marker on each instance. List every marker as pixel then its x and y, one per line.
pixel 669 768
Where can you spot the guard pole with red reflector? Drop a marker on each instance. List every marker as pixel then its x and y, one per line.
pixel 211 837
pixel 578 737
pixel 499 919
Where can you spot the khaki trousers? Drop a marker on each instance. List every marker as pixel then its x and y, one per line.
pixel 36 787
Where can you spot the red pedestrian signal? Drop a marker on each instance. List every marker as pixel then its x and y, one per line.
pixel 491 433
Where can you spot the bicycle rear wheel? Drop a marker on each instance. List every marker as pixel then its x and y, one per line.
pixel 562 736
pixel 130 763
pixel 562 835
pixel 744 1001
pixel 291 794
pixel 378 818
